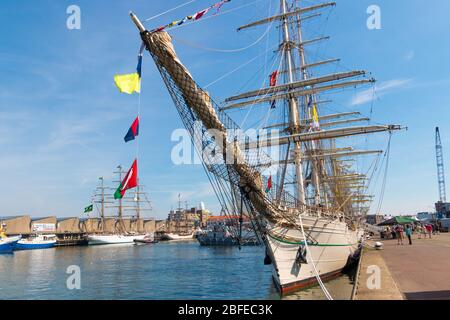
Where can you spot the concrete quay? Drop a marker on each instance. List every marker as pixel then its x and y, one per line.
pixel 420 271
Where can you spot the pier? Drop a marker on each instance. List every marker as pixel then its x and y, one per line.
pixel 409 272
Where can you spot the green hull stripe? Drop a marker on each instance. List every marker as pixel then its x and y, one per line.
pixel 310 243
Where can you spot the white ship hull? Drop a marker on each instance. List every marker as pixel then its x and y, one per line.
pixel 176 237
pixel 332 245
pixel 113 239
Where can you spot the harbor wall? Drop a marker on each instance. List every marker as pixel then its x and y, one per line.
pixel 25 225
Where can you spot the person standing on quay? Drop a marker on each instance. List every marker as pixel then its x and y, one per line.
pixel 408 233
pixel 429 229
pixel 420 231
pixel 399 231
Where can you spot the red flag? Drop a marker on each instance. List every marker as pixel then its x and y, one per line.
pixel 200 14
pixel 133 132
pixel 129 182
pixel 273 79
pixel 269 184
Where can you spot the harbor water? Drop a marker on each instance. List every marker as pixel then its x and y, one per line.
pixel 167 270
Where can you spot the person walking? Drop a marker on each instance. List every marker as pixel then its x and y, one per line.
pixel 394 232
pixel 436 228
pixel 429 229
pixel 399 234
pixel 420 231
pixel 408 233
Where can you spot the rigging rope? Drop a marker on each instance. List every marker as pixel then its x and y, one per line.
pixel 383 187
pixel 234 70
pixel 218 14
pixel 262 87
pixel 198 46
pixel 170 10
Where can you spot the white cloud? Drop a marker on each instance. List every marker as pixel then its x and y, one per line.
pixel 378 91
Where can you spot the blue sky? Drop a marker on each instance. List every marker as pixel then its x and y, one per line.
pixel 62 121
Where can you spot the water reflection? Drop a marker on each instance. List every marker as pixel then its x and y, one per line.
pixel 162 271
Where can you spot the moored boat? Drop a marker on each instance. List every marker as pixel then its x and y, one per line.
pixel 148 239
pixel 222 238
pixel 7 244
pixel 293 179
pixel 177 237
pixel 102 239
pixel 36 241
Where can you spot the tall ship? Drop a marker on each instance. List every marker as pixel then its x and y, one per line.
pixel 137 202
pixel 307 200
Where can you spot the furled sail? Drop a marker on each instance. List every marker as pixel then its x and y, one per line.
pixel 160 46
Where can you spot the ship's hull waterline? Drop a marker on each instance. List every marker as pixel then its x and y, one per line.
pixel 330 244
pixel 113 239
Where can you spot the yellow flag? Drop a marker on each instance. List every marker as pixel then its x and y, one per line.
pixel 316 118
pixel 315 115
pixel 128 83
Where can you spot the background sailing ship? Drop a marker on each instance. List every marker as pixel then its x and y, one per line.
pixel 128 209
pixel 307 204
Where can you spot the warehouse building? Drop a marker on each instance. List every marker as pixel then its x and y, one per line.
pixel 45 225
pixel 16 225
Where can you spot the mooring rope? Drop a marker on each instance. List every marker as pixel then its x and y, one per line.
pixel 319 280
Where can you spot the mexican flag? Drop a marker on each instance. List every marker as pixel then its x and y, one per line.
pixel 129 182
pixel 89 208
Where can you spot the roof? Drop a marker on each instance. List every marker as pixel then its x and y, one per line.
pixel 42 218
pixel 67 218
pixel 397 220
pixel 12 217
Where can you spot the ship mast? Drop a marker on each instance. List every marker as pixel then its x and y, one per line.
pixel 138 206
pixel 120 207
pixel 304 75
pixel 294 117
pixel 102 202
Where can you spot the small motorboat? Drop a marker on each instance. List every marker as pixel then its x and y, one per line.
pixel 177 237
pixel 148 239
pixel 8 244
pixel 36 241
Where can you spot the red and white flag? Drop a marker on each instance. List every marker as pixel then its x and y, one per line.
pixel 129 182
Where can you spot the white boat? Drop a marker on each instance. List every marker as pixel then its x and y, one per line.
pixel 311 216
pixel 177 237
pixel 100 239
pixel 8 244
pixel 36 241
